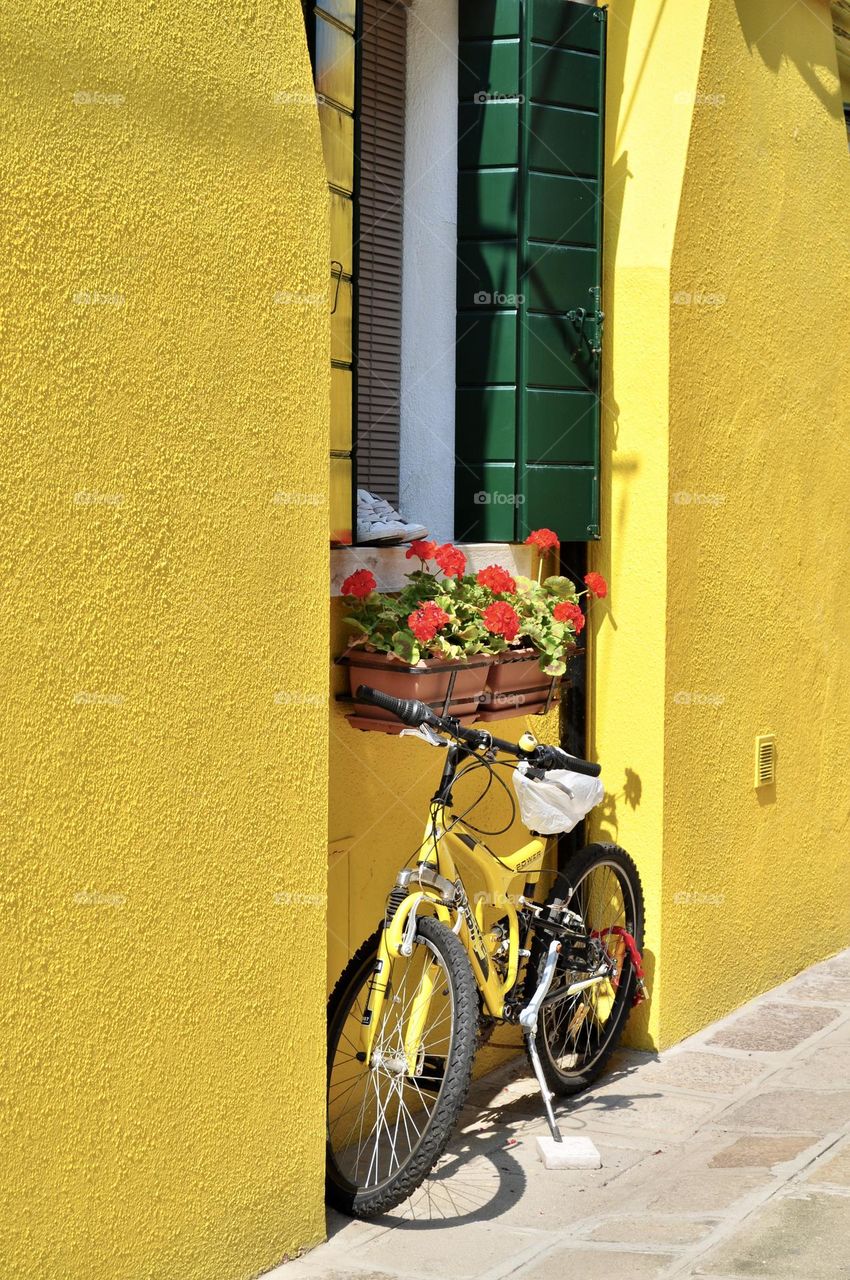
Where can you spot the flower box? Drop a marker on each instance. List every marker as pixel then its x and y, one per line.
pixel 451 688
pixel 446 638
pixel 516 686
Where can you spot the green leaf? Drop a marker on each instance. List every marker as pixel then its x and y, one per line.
pixel 557 667
pixel 559 586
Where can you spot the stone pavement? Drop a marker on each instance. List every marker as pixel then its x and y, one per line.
pixel 726 1156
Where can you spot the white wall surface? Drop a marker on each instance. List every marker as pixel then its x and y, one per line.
pixel 428 285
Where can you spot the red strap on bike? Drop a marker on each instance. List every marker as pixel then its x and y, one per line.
pixel 634 956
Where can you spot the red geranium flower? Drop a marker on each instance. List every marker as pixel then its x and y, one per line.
pixel 496 578
pixel 566 611
pixel 597 584
pixel 501 619
pixel 450 560
pixel 424 550
pixel 426 621
pixel 359 584
pixel 543 539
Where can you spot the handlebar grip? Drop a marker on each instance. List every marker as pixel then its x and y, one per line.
pixel 555 758
pixel 410 710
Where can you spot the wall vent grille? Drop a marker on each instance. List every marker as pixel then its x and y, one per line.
pixel 765 759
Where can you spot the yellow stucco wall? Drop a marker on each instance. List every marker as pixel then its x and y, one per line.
pixel 757 883
pixel 164 640
pixel 654 54
pixel 724 487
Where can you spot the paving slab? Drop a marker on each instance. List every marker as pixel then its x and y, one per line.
pixel 790 1111
pixel 434 1249
pixel 794 1238
pixel 705 1191
pixel 824 986
pixel 762 1152
pixel 598 1264
pixel 837 964
pixel 837 1035
pixel 727 1156
pixel 834 1169
pixel 825 1067
pixel 773 1027
pixel 651 1230
pixel 704 1072
pixel 641 1107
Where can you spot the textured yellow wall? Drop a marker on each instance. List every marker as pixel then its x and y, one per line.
pixel 757 883
pixel 724 491
pixel 164 639
pixel 653 62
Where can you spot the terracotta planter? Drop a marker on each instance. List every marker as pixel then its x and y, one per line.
pixel 516 686
pixel 451 688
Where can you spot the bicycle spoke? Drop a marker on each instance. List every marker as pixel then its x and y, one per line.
pixel 576 1028
pixel 379 1111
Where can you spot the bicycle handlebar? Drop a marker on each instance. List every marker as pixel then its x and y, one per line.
pixel 413 712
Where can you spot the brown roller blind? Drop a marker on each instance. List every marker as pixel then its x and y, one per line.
pixel 380 215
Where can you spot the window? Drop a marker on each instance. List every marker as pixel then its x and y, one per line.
pixel 466 246
pixel 358 55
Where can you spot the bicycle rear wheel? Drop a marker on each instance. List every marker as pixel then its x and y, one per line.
pixel 577 1035
pixel 389 1120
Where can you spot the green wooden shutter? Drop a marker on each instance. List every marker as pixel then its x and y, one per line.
pixel 530 160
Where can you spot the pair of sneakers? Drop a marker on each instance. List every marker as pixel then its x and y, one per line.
pixel 378 521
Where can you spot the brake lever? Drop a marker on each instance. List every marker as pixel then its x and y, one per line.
pixel 425 734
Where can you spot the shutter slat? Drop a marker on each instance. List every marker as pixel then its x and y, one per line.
pixel 381 220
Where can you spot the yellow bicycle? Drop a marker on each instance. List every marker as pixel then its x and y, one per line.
pixel 405 1016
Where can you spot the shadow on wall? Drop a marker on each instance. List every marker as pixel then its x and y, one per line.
pixel 767 35
pixel 630 794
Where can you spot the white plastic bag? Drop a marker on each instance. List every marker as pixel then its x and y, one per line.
pixel 557 802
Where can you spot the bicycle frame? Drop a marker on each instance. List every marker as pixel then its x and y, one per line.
pixel 437 884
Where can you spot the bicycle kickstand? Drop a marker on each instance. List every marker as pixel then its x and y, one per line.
pixel 528 1022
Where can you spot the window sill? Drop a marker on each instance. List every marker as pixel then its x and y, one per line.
pixel 391 566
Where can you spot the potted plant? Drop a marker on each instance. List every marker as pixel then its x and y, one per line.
pixel 524 679
pixel 473 646
pixel 430 641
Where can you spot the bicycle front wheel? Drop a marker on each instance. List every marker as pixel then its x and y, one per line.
pixel 390 1119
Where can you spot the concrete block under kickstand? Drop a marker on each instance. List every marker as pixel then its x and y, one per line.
pixel 571 1153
